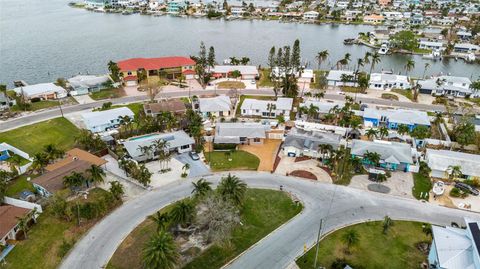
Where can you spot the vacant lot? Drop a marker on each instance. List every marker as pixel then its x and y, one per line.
pixel 107 93
pixel 237 160
pixel 231 85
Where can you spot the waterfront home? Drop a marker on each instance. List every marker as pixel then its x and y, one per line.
pixel 416 19
pixel 393 155
pixel 431 45
pixel 310 15
pixel 10 216
pixel 218 106
pixel 336 78
pixel 464 35
pixel 351 15
pixel 6 102
pixel 447 86
pixel 441 161
pixel 75 160
pixel 95 3
pixel 100 121
pixel 175 106
pixel 175 6
pixel 392 118
pixel 382 81
pixel 42 91
pixel 247 72
pixel 267 108
pixel 384 3
pixel 237 11
pixel 241 133
pixel 153 69
pixel 176 142
pixel 84 84
pixel 443 21
pixel 393 16
pixel 466 48
pixel 301 143
pixel 323 107
pixel 454 247
pixel 373 19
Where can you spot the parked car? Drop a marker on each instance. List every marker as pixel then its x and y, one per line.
pixel 194 156
pixel 466 188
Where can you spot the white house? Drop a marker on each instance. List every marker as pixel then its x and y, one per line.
pixel 381 81
pixel 466 48
pixel 219 106
pixel 43 91
pixel 6 102
pixel 100 121
pixel 247 72
pixel 178 142
pixel 447 86
pixel 334 78
pixel 301 143
pixel 83 84
pixel 310 15
pixel 241 133
pixel 431 45
pixel 440 162
pixel 267 108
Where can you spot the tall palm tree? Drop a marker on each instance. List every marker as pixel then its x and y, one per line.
pixel 312 111
pixel 96 174
pixel 371 133
pixel 319 95
pixel 201 187
pixel 40 161
pixel 383 132
pixel 366 58
pixel 455 171
pixel 351 238
pixel 146 151
pixel 53 152
pixel 74 180
pixel 372 157
pixel 161 219
pixel 232 188
pixel 270 107
pixel 409 66
pixel 403 129
pixel 161 252
pixel 375 60
pixel 182 212
pixel 185 167
pixel 321 57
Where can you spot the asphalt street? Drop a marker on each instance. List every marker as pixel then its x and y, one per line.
pixel 337 205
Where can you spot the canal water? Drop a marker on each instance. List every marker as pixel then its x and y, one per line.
pixel 43 40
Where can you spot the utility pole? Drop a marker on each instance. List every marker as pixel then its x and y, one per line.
pixel 60 106
pixel 318 243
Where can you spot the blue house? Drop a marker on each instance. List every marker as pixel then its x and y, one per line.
pixel 392 118
pixel 393 155
pixel 174 7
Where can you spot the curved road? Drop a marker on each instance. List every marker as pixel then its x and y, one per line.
pixel 277 250
pixel 55 112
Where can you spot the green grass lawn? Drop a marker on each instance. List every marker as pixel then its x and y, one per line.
pixel 39 105
pixel 43 248
pixel 421 184
pixel 317 73
pixel 389 96
pixel 15 186
pixel 264 211
pixel 258 97
pixel 240 160
pixel 134 107
pixel 107 93
pixel 32 138
pixel 265 78
pixel 374 249
pixel 406 93
pixel 231 85
pixel 351 89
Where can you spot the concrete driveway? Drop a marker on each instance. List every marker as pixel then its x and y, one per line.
pixel 197 168
pixel 288 165
pixel 400 184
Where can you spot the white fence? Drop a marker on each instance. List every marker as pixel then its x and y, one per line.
pixel 22 204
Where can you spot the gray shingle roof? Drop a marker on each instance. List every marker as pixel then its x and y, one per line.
pixel 400 151
pixel 249 130
pixel 311 140
pixel 215 104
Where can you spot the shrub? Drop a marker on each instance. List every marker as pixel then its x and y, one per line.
pixel 224 146
pixel 472 182
pixel 65 248
pixel 458 193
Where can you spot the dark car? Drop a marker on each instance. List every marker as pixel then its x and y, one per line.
pixel 466 188
pixel 194 156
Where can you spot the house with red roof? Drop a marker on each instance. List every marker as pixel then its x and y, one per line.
pixel 153 69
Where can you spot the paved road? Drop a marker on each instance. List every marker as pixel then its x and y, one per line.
pixel 280 248
pixel 53 113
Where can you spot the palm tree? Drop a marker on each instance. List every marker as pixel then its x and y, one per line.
pixel 371 133
pixel 403 129
pixel 383 132
pixel 161 219
pixel 201 187
pixel 321 57
pixel 312 111
pixel 185 167
pixel 366 58
pixel 325 149
pixel 182 212
pixel 409 66
pixel 23 224
pixel 74 180
pixel 319 95
pixel 116 189
pixel 454 171
pixel 372 157
pixel 387 223
pixel 146 151
pixel 96 174
pixel 350 238
pixel 40 161
pixel 231 187
pixel 160 252
pixel 53 152
pixel 375 60
pixel 270 107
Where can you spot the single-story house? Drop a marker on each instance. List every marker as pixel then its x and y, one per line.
pixel 373 19
pixel 175 106
pixel 308 143
pixel 334 78
pixel 100 121
pixel 219 106
pixel 431 45
pixel 75 160
pixel 6 102
pixel 440 161
pixel 393 155
pixel 247 72
pixel 466 48
pixel 9 220
pixel 454 248
pixel 310 15
pixel 83 84
pixel 178 142
pixel 43 91
pixel 267 108
pixel 382 81
pixel 324 107
pixel 447 86
pixel 392 118
pixel 241 133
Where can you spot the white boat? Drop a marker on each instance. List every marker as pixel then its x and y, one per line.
pixel 438 188
pixel 470 57
pixel 434 55
pixel 383 49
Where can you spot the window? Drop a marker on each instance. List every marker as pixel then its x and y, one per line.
pixel 264 114
pixel 256 140
pixel 129 73
pixel 185 147
pixel 244 111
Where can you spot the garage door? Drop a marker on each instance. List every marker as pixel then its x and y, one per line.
pixel 131 83
pixel 275 136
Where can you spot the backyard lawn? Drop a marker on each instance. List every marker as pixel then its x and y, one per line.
pixel 107 93
pixel 32 138
pixel 397 248
pixel 263 212
pixel 15 186
pixel 231 85
pixel 240 160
